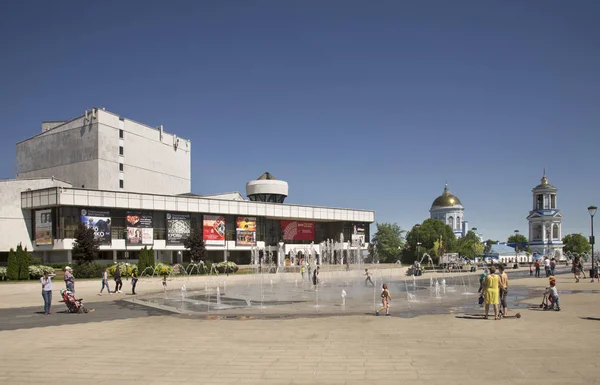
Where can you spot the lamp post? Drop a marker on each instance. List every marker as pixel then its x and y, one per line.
pixel 126 256
pixel 417 227
pixel 474 230
pixel 516 247
pixel 592 211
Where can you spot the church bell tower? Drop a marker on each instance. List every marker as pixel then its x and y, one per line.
pixel 545 221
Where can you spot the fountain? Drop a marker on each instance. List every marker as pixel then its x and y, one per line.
pixel 218 297
pixel 437 290
pixel 444 285
pixel 343 297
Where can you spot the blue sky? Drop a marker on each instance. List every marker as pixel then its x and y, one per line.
pixel 362 104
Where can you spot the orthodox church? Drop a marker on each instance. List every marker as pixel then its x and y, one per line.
pixel 545 221
pixel 448 209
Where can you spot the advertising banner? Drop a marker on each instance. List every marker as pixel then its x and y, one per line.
pixel 178 228
pixel 298 231
pixel 213 230
pixel 358 240
pixel 139 228
pixel 43 227
pixel 245 231
pixel 100 222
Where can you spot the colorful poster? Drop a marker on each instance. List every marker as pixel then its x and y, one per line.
pixel 178 228
pixel 43 227
pixel 100 222
pixel 298 231
pixel 139 228
pixel 358 240
pixel 245 231
pixel 213 230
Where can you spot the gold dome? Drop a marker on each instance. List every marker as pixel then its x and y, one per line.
pixel 544 184
pixel 446 199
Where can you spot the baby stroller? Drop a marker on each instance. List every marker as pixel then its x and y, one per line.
pixel 74 305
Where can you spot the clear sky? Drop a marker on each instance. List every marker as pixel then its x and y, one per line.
pixel 361 104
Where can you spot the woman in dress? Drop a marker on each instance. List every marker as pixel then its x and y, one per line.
pixel 490 292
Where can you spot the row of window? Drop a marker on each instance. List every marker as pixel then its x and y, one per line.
pixel 121 152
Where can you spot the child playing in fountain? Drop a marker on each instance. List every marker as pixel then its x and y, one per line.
pixel 368 279
pixel 385 301
pixel 164 283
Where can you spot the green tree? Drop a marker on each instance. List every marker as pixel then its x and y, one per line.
pixel 435 237
pixel 488 246
pixel 150 257
pixel 23 261
pixel 518 240
pixel 85 246
pixel 143 260
pixel 577 244
pixel 195 245
pixel 389 241
pixel 12 269
pixel 469 245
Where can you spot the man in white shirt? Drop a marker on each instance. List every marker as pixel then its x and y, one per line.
pixel 547 266
pixel 46 282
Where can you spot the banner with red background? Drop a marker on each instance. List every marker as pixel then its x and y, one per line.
pixel 298 231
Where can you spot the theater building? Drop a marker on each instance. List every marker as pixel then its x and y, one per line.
pixel 94 170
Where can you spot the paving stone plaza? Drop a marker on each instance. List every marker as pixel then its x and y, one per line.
pixel 276 329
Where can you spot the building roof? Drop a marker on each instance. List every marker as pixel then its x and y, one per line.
pixel 266 176
pixel 447 199
pixel 499 249
pixel 544 184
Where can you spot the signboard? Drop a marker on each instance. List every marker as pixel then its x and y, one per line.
pixel 358 240
pixel 43 227
pixel 213 230
pixel 100 222
pixel 298 231
pixel 139 228
pixel 245 231
pixel 178 228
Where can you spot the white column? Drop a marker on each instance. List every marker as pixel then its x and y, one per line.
pixel 225 254
pixel 69 256
pixel 114 255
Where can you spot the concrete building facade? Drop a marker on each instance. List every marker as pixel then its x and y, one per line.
pixel 101 150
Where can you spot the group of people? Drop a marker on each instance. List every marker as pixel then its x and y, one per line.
pixel 119 281
pixel 46 281
pixel 549 266
pixel 494 289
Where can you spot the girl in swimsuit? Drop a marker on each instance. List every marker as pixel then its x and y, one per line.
pixel 385 300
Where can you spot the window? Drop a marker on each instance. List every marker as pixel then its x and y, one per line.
pixel 121 183
pixel 120 150
pixel 120 166
pixel 121 134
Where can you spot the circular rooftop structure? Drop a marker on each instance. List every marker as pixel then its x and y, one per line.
pixel 447 199
pixel 266 188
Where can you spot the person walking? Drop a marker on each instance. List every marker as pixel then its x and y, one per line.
pixel 105 282
pixel 164 283
pixel 530 269
pixel 537 268
pixel 386 298
pixel 547 266
pixel 134 279
pixel 368 279
pixel 302 270
pixel 503 290
pixel 46 282
pixel 69 280
pixel 552 266
pixel 482 279
pixel 490 292
pixel 118 281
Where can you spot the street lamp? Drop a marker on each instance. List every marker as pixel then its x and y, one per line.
pixel 592 211
pixel 474 230
pixel 417 226
pixel 516 247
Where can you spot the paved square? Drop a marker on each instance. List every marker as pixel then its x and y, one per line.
pixel 124 343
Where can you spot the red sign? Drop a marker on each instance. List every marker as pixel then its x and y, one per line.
pixel 214 230
pixel 298 231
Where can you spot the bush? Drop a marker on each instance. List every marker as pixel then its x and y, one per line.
pixel 36 261
pixel 2 273
pixel 12 271
pixel 88 270
pixel 226 267
pixel 36 271
pixel 60 266
pixel 113 268
pixel 162 269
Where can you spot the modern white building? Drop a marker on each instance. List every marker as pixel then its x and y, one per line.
pixel 131 184
pixel 545 221
pixel 448 209
pixel 104 151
